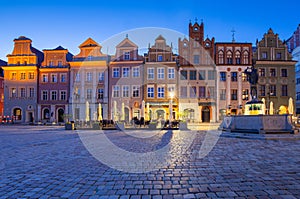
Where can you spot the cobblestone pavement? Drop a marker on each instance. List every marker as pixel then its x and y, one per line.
pixel 49 162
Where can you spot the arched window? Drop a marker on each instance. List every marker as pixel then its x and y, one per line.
pixel 246 57
pixel 237 57
pixel 229 57
pixel 221 57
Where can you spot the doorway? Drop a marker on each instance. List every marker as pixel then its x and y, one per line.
pixel 206 114
pixel 60 115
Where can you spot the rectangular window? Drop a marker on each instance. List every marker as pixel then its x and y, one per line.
pixel 13 76
pixel 284 90
pixel 127 55
pixel 211 75
pixel 77 93
pixel 223 94
pixel 44 95
pixel 264 55
pixel 59 63
pixel 234 76
pixel 77 77
pixel 45 78
pixel 160 73
pixel 233 94
pixel 171 89
pixel 211 92
pixel 159 58
pixel 262 90
pixel 31 75
pixel 202 92
pixel 272 90
pixel 125 72
pixel 89 93
pixel 22 92
pixel 245 78
pixel 22 76
pixel 116 91
pixel 63 95
pixel 283 72
pixel 101 76
pixel 278 55
pixel 136 72
pixel 193 91
pixel 53 95
pixel 100 93
pixel 202 75
pixel 196 59
pixel 125 91
pixel 223 76
pixel 193 75
pixel 150 74
pixel 31 92
pixel 183 91
pixel 116 72
pixel 272 72
pixel 89 77
pixel 171 73
pixel 261 72
pixel 245 94
pixel 160 92
pixel 150 92
pixel 54 78
pixel 183 75
pixel 63 78
pixel 51 63
pixel 135 91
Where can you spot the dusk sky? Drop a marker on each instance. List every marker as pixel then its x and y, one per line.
pixel 68 23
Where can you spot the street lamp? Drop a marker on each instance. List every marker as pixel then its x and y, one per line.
pixel 171 108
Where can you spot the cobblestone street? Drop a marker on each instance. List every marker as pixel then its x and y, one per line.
pixel 50 162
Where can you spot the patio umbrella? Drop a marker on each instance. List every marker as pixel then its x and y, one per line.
pixel 99 112
pixel 123 112
pixel 291 106
pixel 87 111
pixel 115 111
pixel 264 105
pixel 271 108
pixel 148 111
pixel 143 109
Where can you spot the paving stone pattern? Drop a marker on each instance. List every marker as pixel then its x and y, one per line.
pixel 49 162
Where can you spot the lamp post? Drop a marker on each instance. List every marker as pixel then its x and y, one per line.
pixel 171 109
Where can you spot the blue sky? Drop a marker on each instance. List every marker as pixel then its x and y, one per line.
pixel 68 23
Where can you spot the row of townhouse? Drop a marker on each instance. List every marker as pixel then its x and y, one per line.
pixel 204 82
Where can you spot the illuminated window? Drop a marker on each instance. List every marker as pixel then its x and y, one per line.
pixel 245 95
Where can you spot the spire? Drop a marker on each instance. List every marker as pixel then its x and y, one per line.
pixel 233 32
pixel 196 19
pixel 126 36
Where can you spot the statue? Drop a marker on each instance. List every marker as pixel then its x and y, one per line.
pixel 253 78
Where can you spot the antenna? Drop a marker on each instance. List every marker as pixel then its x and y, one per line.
pixel 233 32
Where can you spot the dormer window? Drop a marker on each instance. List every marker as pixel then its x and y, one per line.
pixel 126 55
